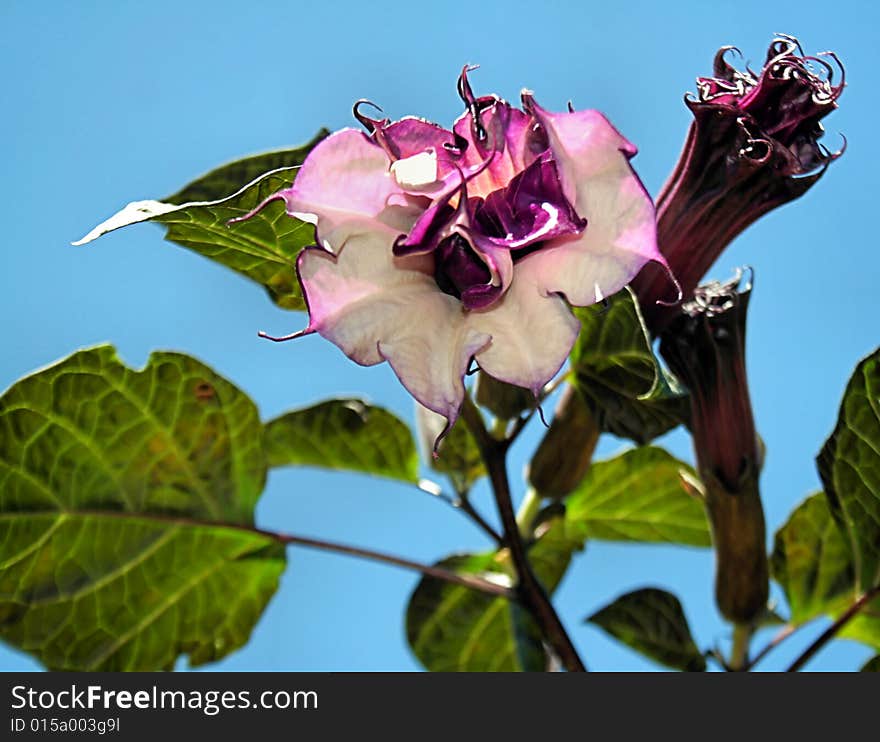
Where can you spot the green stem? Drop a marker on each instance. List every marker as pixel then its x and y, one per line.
pixel 528 510
pixel 739 653
pixel 499 428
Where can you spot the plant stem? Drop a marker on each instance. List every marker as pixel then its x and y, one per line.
pixel 461 502
pixel 465 506
pixel 471 581
pixel 477 583
pixel 528 509
pixel 784 633
pixel 532 594
pixel 832 630
pixel 739 653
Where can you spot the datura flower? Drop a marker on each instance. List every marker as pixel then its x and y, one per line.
pixel 437 248
pixel 754 145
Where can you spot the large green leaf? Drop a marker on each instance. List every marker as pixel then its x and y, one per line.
pixel 454 628
pixel 849 465
pixel 263 248
pixel 346 434
pixel 639 495
pixel 126 506
pixel 811 561
pixel 652 622
pixel 616 370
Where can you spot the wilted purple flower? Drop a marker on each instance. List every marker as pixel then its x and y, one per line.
pixel 753 145
pixel 437 247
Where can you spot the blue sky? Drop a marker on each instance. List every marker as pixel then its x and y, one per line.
pixel 108 102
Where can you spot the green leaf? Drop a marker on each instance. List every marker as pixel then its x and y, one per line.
pixel 639 495
pixel 126 505
pixel 221 181
pixel 458 457
pixel 872 665
pixel 451 628
pixel 346 434
pixel 263 248
pixel 812 563
pixel 616 370
pixel 454 628
pixel 865 626
pixel 849 465
pixel 652 622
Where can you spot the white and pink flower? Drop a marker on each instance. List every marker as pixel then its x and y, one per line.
pixel 436 248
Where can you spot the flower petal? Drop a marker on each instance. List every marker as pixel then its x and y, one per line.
pixel 375 306
pixel 410 135
pixel 532 332
pixel 593 162
pixel 347 176
pixel 530 209
pixel 506 145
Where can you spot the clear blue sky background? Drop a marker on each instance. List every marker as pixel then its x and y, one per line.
pixel 107 102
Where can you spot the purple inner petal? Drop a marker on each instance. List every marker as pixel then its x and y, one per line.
pixel 461 273
pixel 532 208
pixel 517 203
pixel 410 136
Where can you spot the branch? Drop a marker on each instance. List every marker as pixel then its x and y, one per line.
pixel 471 581
pixel 461 503
pixel 465 506
pixel 530 590
pixel 784 633
pixel 832 630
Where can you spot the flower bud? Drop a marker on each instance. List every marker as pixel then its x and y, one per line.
pixel 565 453
pixel 705 347
pixel 503 400
pixel 753 145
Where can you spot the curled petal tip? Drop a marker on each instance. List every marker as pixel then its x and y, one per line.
pixel 435 450
pixel 679 294
pixel 284 338
pixel 465 92
pixel 721 66
pixel 541 416
pixel 370 124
